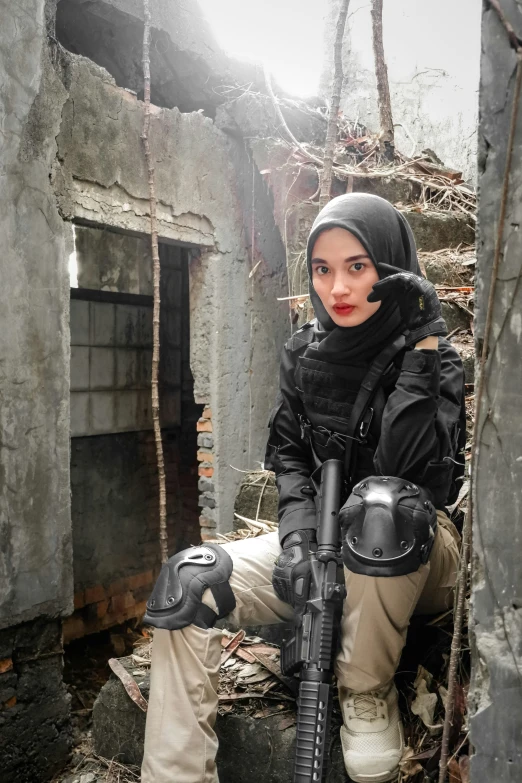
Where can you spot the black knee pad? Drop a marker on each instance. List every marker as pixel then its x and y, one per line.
pixel 176 598
pixel 388 527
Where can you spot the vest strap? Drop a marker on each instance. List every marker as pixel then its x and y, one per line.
pixel 357 424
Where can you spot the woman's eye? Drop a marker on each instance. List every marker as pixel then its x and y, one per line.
pixel 358 266
pixel 321 270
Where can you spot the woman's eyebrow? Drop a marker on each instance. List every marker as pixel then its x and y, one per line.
pixel 358 257
pixel 350 258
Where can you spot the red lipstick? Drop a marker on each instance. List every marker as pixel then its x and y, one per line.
pixel 343 309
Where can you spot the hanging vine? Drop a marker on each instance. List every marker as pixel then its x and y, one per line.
pixel 156 284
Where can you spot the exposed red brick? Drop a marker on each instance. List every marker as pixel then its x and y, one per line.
pixel 73 628
pixel 208 472
pixel 204 425
pixel 204 521
pixel 207 413
pixel 79 600
pixel 139 580
pixel 94 594
pixel 205 456
pixel 6 664
pixel 117 587
pixel 121 602
pixel 207 534
pixel 101 609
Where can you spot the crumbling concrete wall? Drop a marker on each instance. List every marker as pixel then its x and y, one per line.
pixel 35 525
pixel 432 51
pixel 206 186
pixel 496 694
pixel 34 339
pixel 188 69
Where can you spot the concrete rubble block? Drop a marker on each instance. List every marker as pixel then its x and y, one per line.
pixel 250 750
pixel 393 189
pixel 437 230
pixel 205 441
pixel 464 343
pixel 253 487
pixel 455 316
pixel 205 485
pixel 254 115
pixel 206 501
pixel 445 269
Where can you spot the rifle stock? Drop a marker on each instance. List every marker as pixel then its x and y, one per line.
pixel 312 647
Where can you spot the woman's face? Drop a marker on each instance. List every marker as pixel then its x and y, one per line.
pixel 343 276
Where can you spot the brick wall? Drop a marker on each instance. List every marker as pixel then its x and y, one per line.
pixel 205 457
pixel 116 522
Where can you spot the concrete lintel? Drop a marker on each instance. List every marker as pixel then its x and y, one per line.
pixel 114 207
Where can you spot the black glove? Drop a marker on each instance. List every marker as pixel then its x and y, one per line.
pixel 417 300
pixel 292 572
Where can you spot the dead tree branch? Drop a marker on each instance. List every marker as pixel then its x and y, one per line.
pixel 335 101
pixel 156 281
pixel 455 646
pixel 383 86
pixel 284 125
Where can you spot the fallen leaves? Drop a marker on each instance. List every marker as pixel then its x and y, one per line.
pixel 250 672
pixel 425 702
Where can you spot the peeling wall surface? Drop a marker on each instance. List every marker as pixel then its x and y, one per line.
pixel 432 51
pixel 206 186
pixel 35 524
pixel 35 521
pixel 496 693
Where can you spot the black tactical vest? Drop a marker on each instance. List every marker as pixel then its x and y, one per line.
pixel 328 392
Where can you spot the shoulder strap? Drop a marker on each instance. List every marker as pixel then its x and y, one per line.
pixel 364 397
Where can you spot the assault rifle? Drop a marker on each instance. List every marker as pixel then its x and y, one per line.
pixel 312 647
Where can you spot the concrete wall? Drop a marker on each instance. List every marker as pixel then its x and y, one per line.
pixel 35 527
pixel 496 693
pixel 205 186
pixel 432 51
pixel 187 66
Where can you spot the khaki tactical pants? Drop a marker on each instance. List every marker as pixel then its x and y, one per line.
pixel 180 743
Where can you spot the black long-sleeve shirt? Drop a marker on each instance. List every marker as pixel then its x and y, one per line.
pixel 421 433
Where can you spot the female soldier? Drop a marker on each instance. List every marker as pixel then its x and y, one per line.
pixel 367 289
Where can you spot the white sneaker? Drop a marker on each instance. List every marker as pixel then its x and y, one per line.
pixel 372 735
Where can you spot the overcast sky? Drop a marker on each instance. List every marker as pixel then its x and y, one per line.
pixel 286 35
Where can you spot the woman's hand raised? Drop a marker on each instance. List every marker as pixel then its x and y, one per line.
pixel 417 301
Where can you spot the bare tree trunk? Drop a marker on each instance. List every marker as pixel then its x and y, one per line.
pixel 335 100
pixel 156 280
pixel 383 87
